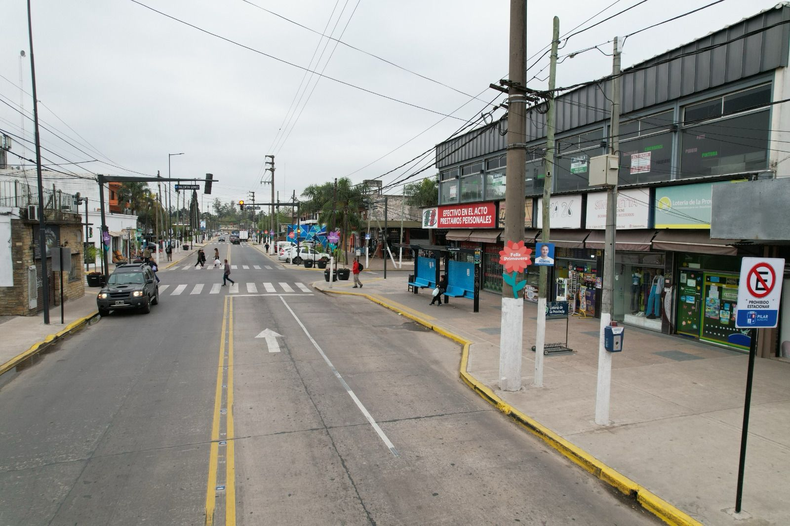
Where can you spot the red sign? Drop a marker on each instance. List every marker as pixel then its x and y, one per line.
pixel 760 280
pixel 515 256
pixel 477 215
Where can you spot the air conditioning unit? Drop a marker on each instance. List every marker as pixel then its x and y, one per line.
pixel 32 212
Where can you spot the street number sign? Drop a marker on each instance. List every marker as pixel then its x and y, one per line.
pixel 759 291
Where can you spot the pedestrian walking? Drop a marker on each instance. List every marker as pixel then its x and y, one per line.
pixel 201 258
pixel 440 289
pixel 356 268
pixel 169 252
pixel 147 255
pixel 266 246
pixel 217 262
pixel 226 275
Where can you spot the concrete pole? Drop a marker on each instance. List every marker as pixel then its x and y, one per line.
pixel 400 246
pixel 548 163
pixel 386 198
pixel 603 391
pixel 273 219
pixel 367 241
pixel 512 326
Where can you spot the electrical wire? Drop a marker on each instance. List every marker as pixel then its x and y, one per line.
pixel 292 64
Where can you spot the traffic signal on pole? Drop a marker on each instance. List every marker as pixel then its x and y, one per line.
pixel 207 188
pixel 241 205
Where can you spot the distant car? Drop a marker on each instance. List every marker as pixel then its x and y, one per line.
pixel 221 240
pixel 131 286
pixel 235 240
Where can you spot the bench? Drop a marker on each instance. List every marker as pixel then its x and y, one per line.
pixel 458 292
pixel 422 283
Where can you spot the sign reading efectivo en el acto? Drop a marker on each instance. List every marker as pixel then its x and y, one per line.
pixel 477 215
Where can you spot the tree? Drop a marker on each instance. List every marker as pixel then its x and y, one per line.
pixel 337 205
pixel 423 194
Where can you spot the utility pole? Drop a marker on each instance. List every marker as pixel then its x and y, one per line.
pixel 400 247
pixel 603 391
pixel 548 164
pixel 386 245
pixel 512 325
pixel 270 168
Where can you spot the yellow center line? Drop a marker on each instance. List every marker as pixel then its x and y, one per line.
pixel 230 477
pixel 211 489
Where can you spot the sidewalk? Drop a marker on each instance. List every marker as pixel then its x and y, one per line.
pixel 22 333
pixel 676 404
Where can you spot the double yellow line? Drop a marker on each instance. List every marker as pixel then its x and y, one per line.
pixel 224 387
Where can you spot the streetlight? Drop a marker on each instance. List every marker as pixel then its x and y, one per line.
pixel 170 201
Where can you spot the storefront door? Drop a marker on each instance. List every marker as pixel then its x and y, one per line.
pixel 690 302
pixel 718 319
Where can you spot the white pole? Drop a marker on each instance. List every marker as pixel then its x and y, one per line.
pixel 540 342
pixel 331 269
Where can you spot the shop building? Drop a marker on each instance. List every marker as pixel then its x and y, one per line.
pixel 706 114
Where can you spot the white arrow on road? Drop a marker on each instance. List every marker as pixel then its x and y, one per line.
pixel 271 339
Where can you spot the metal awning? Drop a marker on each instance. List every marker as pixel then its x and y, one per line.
pixel 484 236
pixel 531 235
pixel 638 240
pixel 458 235
pixel 695 241
pixel 567 238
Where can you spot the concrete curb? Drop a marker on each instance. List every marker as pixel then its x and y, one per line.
pixel 49 340
pixel 648 500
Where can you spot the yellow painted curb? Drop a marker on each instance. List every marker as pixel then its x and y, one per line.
pixel 40 346
pixel 648 500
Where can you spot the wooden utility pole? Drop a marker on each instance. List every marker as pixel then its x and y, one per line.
pixel 548 165
pixel 512 326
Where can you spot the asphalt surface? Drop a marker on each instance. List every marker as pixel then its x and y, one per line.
pixel 360 418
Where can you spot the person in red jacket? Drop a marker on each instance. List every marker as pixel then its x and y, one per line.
pixel 356 268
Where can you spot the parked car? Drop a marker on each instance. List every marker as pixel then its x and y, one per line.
pixel 131 286
pixel 306 253
pixel 235 240
pixel 283 250
pixel 222 239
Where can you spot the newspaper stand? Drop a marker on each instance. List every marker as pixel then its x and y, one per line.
pixel 557 310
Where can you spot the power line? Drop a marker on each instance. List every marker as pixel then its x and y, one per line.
pixel 283 61
pixel 670 19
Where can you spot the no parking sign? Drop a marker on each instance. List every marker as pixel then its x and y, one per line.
pixel 759 291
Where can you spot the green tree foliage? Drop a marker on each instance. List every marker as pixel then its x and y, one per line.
pixel 339 206
pixel 423 194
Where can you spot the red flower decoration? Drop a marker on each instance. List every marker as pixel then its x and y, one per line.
pixel 515 257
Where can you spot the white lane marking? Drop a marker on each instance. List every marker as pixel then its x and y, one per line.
pixel 271 339
pixel 163 288
pixel 356 400
pixel 245 267
pixel 198 289
pixel 267 267
pixel 178 290
pixel 256 267
pixel 286 287
pixel 234 288
pixel 215 288
pixel 188 267
pixel 303 287
pixel 269 287
pixel 251 288
pixel 234 267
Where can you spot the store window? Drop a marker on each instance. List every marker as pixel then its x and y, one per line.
pixel 573 160
pixel 448 192
pixel 727 134
pixel 646 149
pixel 495 178
pixel 639 283
pixel 535 173
pixel 577 272
pixel 472 188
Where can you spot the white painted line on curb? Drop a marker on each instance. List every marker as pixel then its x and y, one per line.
pixel 356 400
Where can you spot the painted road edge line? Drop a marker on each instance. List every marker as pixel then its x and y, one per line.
pixel 647 499
pixel 46 342
pixel 211 484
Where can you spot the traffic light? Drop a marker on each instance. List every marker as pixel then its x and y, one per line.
pixel 241 205
pixel 207 188
pixel 90 231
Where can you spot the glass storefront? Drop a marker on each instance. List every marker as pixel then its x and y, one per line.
pixel 577 272
pixel 707 296
pixel 492 270
pixel 639 282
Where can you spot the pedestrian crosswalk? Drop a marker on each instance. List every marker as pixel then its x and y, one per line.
pixel 210 266
pixel 250 287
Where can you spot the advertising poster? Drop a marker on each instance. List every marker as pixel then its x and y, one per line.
pixel 640 163
pixel 633 210
pixel 477 215
pixel 565 211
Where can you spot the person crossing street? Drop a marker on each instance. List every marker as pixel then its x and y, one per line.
pixel 226 275
pixel 356 268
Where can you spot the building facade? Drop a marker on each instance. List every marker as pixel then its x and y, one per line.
pixel 707 114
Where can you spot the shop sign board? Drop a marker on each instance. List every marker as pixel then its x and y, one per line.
pixel 633 210
pixel 556 310
pixel 528 212
pixel 579 164
pixel 429 217
pixel 759 291
pixel 685 206
pixel 640 163
pixel 565 211
pixel 475 215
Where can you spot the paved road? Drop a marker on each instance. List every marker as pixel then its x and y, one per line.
pixel 358 419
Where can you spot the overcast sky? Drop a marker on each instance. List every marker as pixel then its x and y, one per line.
pixel 128 85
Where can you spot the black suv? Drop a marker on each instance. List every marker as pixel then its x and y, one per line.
pixel 131 286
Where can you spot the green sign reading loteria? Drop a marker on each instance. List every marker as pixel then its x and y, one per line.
pixel 686 206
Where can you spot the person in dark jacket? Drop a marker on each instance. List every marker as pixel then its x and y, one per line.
pixel 442 286
pixel 226 275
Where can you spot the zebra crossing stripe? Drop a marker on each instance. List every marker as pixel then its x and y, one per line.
pixel 178 290
pixel 267 267
pixel 198 289
pixel 163 288
pixel 269 287
pixel 234 267
pixel 256 267
pixel 234 288
pixel 188 267
pixel 215 288
pixel 245 267
pixel 303 287
pixel 286 287
pixel 251 288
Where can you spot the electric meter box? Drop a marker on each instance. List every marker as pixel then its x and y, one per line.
pixel 604 170
pixel 613 338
